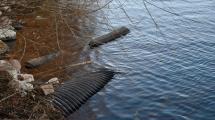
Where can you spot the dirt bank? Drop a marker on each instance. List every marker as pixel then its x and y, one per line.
pixel 47 28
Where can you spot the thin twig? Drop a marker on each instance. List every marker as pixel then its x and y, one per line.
pixel 24 50
pixel 5 98
pixel 56 31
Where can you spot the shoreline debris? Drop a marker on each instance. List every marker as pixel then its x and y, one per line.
pixel 36 62
pixel 10 71
pixel 22 84
pixel 54 80
pixel 47 89
pixel 117 33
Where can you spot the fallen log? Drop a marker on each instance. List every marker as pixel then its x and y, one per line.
pixel 35 62
pixel 117 33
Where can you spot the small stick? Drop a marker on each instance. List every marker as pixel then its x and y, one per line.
pixel 3 99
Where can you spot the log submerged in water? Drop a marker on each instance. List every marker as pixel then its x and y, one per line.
pixel 35 62
pixel 117 33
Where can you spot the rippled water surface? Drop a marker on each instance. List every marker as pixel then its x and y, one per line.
pixel 168 67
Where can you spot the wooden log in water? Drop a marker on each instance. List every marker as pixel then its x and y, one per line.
pixel 35 62
pixel 117 33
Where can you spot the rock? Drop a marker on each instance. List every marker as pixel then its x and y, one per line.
pixel 18 25
pixel 6 30
pixel 53 81
pixel 7 34
pixel 3 48
pixel 10 71
pixel 16 64
pixel 27 77
pixel 6 9
pixel 12 64
pixel 5 67
pixel 1 13
pixel 7 71
pixel 22 84
pixel 47 89
pixel 5 22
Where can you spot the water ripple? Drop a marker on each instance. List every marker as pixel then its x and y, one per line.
pixel 167 77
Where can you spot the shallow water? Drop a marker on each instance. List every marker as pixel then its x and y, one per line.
pixel 168 72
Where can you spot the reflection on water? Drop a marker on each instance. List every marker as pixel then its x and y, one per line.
pixel 168 68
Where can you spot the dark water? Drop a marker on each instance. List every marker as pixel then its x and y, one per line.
pixel 168 70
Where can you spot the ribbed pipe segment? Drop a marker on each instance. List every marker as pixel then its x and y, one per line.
pixel 73 93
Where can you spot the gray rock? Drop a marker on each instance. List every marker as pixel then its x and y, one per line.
pixel 7 34
pixel 18 25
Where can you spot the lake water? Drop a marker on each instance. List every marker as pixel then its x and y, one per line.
pixel 167 63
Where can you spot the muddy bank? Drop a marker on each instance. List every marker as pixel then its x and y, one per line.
pixel 46 29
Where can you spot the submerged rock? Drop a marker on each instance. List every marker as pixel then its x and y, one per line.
pixel 18 25
pixel 36 62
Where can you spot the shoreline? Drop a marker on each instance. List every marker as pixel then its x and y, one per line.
pixel 42 33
